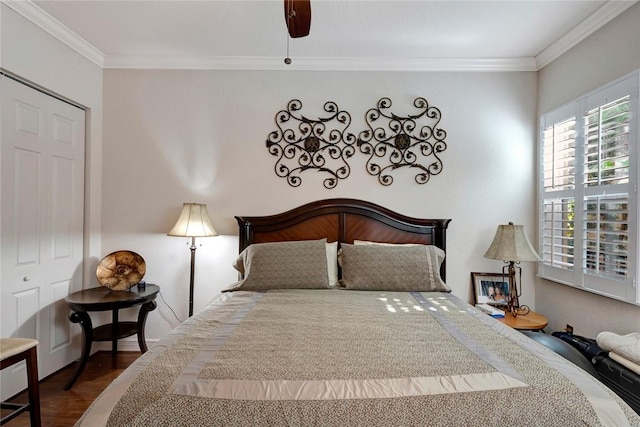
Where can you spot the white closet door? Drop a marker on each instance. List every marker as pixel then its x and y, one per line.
pixel 41 223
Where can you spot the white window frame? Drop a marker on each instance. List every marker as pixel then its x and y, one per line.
pixel 624 290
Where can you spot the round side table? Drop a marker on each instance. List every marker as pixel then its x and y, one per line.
pixel 531 321
pixel 103 299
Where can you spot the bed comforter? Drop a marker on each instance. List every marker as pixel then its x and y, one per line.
pixel 339 357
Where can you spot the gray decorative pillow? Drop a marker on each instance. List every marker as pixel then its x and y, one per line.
pixel 392 268
pixel 283 265
pixel 439 252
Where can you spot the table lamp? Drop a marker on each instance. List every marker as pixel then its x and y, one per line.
pixel 193 222
pixel 512 246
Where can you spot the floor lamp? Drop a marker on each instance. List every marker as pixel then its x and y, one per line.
pixel 193 222
pixel 511 245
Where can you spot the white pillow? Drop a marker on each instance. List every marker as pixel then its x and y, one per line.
pixel 332 263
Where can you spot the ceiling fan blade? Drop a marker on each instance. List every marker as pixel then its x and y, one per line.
pixel 297 15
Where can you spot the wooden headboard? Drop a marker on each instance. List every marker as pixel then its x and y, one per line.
pixel 343 220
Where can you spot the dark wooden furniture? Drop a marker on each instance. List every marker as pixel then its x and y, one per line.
pixel 15 350
pixel 103 299
pixel 343 220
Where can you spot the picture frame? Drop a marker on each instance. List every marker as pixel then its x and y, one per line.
pixel 490 288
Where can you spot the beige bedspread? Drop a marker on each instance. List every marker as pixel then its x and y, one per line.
pixel 337 357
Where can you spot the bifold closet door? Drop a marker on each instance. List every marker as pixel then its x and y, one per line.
pixel 41 223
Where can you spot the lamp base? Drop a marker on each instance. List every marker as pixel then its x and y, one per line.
pixel 516 311
pixel 514 306
pixel 193 270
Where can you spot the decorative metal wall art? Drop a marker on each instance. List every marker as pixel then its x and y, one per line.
pixel 303 144
pixel 324 145
pixel 394 142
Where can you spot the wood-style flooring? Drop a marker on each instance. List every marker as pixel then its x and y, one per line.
pixel 63 408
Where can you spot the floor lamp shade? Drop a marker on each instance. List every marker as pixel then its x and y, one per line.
pixel 193 222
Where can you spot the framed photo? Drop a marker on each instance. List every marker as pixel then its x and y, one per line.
pixel 490 288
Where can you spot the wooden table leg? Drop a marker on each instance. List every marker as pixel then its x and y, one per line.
pixel 142 319
pixel 87 338
pixel 114 333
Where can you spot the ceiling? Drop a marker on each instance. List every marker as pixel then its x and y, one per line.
pixel 345 34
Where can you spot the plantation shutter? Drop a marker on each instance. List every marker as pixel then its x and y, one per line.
pixel 606 178
pixel 588 214
pixel 558 194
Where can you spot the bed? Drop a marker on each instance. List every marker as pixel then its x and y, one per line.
pixel 388 345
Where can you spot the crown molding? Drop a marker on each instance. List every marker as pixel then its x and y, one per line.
pixel 321 64
pixel 593 23
pixel 57 29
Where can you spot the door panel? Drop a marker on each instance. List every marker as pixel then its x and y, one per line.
pixel 25 198
pixel 41 223
pixel 60 325
pixel 62 208
pixel 25 304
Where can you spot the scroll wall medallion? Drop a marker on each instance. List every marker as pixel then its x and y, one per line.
pixel 324 145
pixel 302 144
pixel 394 142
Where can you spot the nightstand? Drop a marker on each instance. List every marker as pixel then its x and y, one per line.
pixel 531 321
pixel 103 299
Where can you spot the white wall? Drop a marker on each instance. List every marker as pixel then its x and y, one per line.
pixel 199 136
pixel 603 57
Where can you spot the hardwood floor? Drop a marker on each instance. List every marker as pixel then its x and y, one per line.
pixel 63 408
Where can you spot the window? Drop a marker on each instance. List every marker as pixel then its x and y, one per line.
pixel 588 229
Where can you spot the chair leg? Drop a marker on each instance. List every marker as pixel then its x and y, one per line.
pixel 33 386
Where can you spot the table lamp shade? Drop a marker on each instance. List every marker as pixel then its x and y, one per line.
pixel 511 244
pixel 193 222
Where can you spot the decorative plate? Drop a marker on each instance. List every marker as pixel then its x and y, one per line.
pixel 121 270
